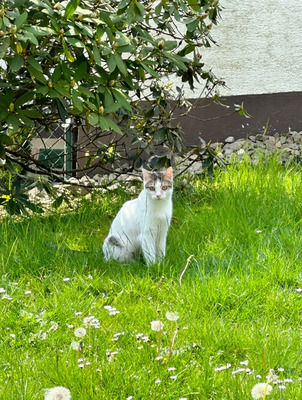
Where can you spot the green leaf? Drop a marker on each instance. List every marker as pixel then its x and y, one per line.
pixel 111 63
pixel 57 73
pixel 16 63
pixel 63 90
pixel 25 98
pixel 122 99
pixel 123 4
pixel 12 207
pixel 177 60
pixel 194 5
pixel 39 30
pixel 112 108
pixel 5 139
pixel 104 16
pixel 120 63
pixel 70 8
pixel 58 201
pixel 42 90
pixel 34 63
pixel 76 101
pixel 3 115
pixel 31 113
pixel 81 71
pixel 13 123
pixel 21 19
pixel 102 123
pixel 187 50
pixel 111 125
pixel 67 53
pixel 4 46
pixel 86 92
pixel 193 25
pixel 75 42
pixel 97 55
pixel 93 119
pixel 108 100
pixel 31 37
pixel 150 71
pixel 37 74
pixel 66 71
pixel 170 45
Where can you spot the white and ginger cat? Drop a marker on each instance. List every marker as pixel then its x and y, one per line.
pixel 142 224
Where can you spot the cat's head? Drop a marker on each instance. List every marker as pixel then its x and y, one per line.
pixel 158 184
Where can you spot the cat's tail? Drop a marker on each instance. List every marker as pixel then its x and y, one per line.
pixel 112 248
pixel 114 241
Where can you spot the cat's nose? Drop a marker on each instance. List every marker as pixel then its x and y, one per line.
pixel 158 196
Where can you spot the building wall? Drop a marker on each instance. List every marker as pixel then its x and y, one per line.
pixel 259 47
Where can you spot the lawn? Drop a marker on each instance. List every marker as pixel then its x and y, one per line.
pixel 238 302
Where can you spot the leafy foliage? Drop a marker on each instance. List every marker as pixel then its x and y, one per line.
pixel 100 65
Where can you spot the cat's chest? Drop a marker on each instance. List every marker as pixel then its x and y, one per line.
pixel 158 216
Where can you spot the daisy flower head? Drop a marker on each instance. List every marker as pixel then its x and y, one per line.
pixel 156 326
pixel 261 389
pixel 57 393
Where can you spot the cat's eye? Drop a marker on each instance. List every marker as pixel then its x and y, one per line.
pixel 164 187
pixel 151 188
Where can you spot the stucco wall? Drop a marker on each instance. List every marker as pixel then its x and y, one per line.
pixel 259 47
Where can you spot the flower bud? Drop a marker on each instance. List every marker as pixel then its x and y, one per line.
pixel 161 44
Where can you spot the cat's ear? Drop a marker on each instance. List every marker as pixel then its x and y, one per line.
pixel 146 174
pixel 169 173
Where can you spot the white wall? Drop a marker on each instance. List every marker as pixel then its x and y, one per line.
pixel 260 47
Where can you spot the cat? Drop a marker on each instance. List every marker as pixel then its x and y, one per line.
pixel 142 224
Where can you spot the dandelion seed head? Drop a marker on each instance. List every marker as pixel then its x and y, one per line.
pixel 260 389
pixel 80 332
pixel 57 393
pixel 156 325
pixel 172 316
pixel 76 345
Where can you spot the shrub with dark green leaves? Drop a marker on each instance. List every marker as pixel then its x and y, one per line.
pixel 99 65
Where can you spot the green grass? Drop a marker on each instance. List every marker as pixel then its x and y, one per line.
pixel 238 300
